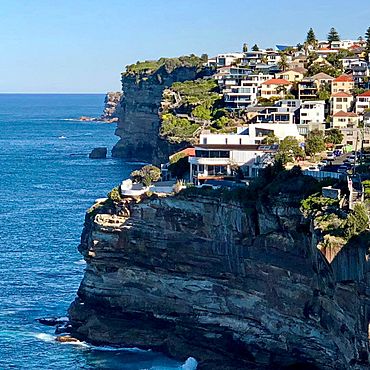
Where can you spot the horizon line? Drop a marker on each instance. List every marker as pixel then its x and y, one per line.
pixel 54 92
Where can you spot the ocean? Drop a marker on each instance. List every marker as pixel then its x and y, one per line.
pixel 46 184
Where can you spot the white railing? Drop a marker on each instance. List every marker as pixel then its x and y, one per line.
pixel 200 160
pixel 320 175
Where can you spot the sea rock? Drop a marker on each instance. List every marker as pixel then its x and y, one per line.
pixel 52 321
pixel 98 153
pixel 234 288
pixel 66 339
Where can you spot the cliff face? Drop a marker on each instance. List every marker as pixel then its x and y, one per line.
pixel 233 287
pixel 139 124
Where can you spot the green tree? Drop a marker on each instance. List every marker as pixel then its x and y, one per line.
pixel 315 142
pixel 283 62
pixel 367 38
pixel 146 175
pixel 333 35
pixel 357 221
pixel 334 136
pixel 311 37
pixel 324 91
pixel 201 112
pixel 245 48
pixel 255 47
pixel 289 150
pixel 270 139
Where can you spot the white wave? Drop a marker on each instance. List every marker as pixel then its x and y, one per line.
pixel 62 137
pixel 190 364
pixel 80 262
pixel 123 349
pixel 45 337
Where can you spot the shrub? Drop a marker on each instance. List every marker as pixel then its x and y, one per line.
pixel 316 202
pixel 146 175
pixel 115 195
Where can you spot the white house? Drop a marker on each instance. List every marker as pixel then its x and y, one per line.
pixel 241 96
pixel 363 102
pixel 226 59
pixel 312 111
pixel 218 154
pixel 342 44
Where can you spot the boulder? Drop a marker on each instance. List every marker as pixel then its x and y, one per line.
pixel 98 153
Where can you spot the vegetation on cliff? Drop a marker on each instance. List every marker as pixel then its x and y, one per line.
pixel 151 66
pixel 190 106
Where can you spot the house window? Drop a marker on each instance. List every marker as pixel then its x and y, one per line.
pixel 240 141
pixel 204 140
pixel 225 140
pixel 349 142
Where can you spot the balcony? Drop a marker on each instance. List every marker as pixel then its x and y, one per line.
pixel 213 161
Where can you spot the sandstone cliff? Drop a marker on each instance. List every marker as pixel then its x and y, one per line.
pixel 233 284
pixel 139 122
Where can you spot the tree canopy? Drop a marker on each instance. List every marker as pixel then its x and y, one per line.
pixel 311 37
pixel 289 150
pixel 146 175
pixel 315 142
pixel 334 136
pixel 333 35
pixel 255 47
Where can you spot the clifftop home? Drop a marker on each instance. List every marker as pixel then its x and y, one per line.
pixel 218 156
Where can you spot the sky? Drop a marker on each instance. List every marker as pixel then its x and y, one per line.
pixel 76 46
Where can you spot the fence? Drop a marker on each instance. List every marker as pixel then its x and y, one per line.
pixel 321 175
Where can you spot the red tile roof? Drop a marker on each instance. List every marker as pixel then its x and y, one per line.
pixel 276 81
pixel 345 114
pixel 343 78
pixel 341 95
pixel 187 151
pixel 366 93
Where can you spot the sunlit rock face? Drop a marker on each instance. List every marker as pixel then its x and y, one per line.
pixel 139 122
pixel 233 287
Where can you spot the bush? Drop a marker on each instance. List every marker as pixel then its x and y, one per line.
pixel 115 195
pixel 316 202
pixel 357 222
pixel 179 165
pixel 146 175
pixel 177 129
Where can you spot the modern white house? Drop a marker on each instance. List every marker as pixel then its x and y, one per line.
pixel 363 102
pixel 312 111
pixel 342 44
pixel 226 59
pixel 241 96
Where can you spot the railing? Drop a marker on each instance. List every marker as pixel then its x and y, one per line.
pixel 321 175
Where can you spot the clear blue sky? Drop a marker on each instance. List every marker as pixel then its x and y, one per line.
pixel 83 45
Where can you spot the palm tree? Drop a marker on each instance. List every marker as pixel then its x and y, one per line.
pixel 283 62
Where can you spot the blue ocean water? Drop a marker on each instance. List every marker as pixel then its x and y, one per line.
pixel 46 184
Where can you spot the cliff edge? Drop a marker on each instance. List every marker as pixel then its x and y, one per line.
pixel 232 279
pixel 139 123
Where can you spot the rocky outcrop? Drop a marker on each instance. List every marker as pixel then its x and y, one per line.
pixel 98 153
pixel 109 115
pixel 111 101
pixel 233 286
pixel 139 122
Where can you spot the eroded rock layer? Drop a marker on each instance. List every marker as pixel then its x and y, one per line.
pixel 233 287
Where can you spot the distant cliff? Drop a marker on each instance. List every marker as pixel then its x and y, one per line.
pixel 139 122
pixel 232 279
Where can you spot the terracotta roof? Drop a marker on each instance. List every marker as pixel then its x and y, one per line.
pixel 343 78
pixel 276 81
pixel 341 95
pixel 366 93
pixel 187 151
pixel 345 114
pixel 322 76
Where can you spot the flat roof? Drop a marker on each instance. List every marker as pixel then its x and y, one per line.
pixel 250 147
